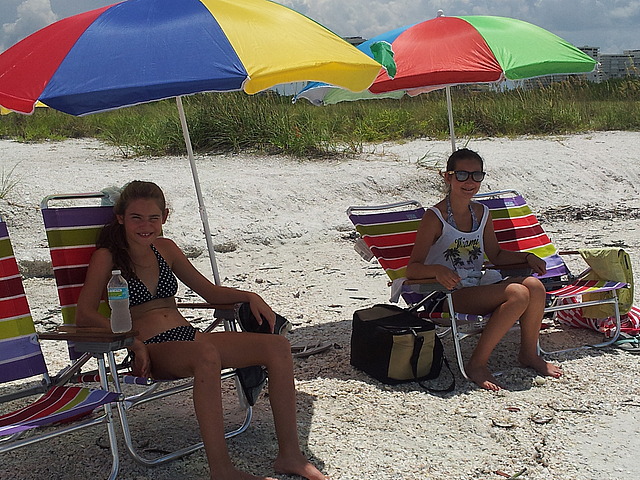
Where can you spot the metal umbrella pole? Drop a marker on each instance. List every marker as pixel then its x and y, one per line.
pixel 452 134
pixel 196 180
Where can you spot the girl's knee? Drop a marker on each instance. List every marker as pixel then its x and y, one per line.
pixel 535 287
pixel 518 293
pixel 276 349
pixel 280 343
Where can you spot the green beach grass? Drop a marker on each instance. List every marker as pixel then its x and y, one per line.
pixel 268 123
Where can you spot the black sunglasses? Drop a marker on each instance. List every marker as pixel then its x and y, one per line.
pixel 463 175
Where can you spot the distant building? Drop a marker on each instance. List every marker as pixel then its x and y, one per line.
pixel 620 65
pixel 593 52
pixel 355 41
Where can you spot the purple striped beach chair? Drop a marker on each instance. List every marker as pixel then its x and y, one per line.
pixel 67 407
pixel 73 223
pixel 518 230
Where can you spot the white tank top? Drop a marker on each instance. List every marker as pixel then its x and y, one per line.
pixel 462 252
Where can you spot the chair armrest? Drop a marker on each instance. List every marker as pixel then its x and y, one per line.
pixel 91 339
pixel 425 285
pixel 428 285
pixel 221 312
pixel 225 311
pixel 509 266
pixel 512 269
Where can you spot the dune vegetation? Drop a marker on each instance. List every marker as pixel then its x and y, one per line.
pixel 269 123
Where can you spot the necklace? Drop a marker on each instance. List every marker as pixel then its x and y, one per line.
pixel 452 221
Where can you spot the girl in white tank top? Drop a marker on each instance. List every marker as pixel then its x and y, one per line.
pixel 451 245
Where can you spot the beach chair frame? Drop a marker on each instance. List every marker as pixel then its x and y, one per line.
pixel 518 229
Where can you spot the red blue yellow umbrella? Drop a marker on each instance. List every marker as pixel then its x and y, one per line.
pixel 139 51
pixel 447 51
pixel 142 50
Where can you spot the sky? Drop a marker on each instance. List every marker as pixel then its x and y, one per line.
pixel 611 25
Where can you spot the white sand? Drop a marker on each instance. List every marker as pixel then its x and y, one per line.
pixel 282 222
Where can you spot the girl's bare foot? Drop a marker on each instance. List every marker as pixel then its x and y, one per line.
pixel 482 377
pixel 297 465
pixel 539 365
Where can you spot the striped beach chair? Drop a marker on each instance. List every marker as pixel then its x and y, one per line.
pixel 71 234
pixel 387 232
pixel 21 358
pixel 73 223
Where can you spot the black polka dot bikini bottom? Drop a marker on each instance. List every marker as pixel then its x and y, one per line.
pixel 183 333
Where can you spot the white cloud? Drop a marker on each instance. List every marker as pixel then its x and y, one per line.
pixel 30 15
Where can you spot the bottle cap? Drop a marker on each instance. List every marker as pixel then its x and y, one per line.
pixel 115 272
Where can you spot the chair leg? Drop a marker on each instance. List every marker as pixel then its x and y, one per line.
pixel 227 317
pixel 151 462
pixel 104 382
pixel 456 337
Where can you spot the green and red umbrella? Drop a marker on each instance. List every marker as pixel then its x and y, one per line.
pixel 446 51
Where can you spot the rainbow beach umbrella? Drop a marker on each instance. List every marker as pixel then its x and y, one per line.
pixel 446 51
pixel 139 51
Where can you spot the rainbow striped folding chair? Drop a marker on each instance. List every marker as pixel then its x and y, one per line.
pixel 518 229
pixel 21 358
pixel 73 223
pixel 388 232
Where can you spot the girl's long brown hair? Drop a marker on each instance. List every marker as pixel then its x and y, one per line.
pixel 113 237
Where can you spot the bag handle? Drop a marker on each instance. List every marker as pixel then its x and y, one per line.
pixel 449 388
pixel 418 341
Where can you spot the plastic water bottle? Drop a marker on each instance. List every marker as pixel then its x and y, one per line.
pixel 118 294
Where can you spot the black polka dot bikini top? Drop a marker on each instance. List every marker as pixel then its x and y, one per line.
pixel 167 284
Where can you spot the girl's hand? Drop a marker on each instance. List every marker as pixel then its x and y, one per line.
pixel 447 277
pixel 141 363
pixel 536 264
pixel 262 311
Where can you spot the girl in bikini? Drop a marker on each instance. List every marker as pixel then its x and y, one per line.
pixel 451 242
pixel 168 347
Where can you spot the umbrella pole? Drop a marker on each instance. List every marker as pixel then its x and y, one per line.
pixel 196 181
pixel 450 112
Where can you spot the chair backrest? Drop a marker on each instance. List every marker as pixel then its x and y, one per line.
pixel 390 233
pixel 518 229
pixel 20 353
pixel 72 232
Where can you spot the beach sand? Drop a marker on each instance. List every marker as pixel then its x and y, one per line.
pixel 282 231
